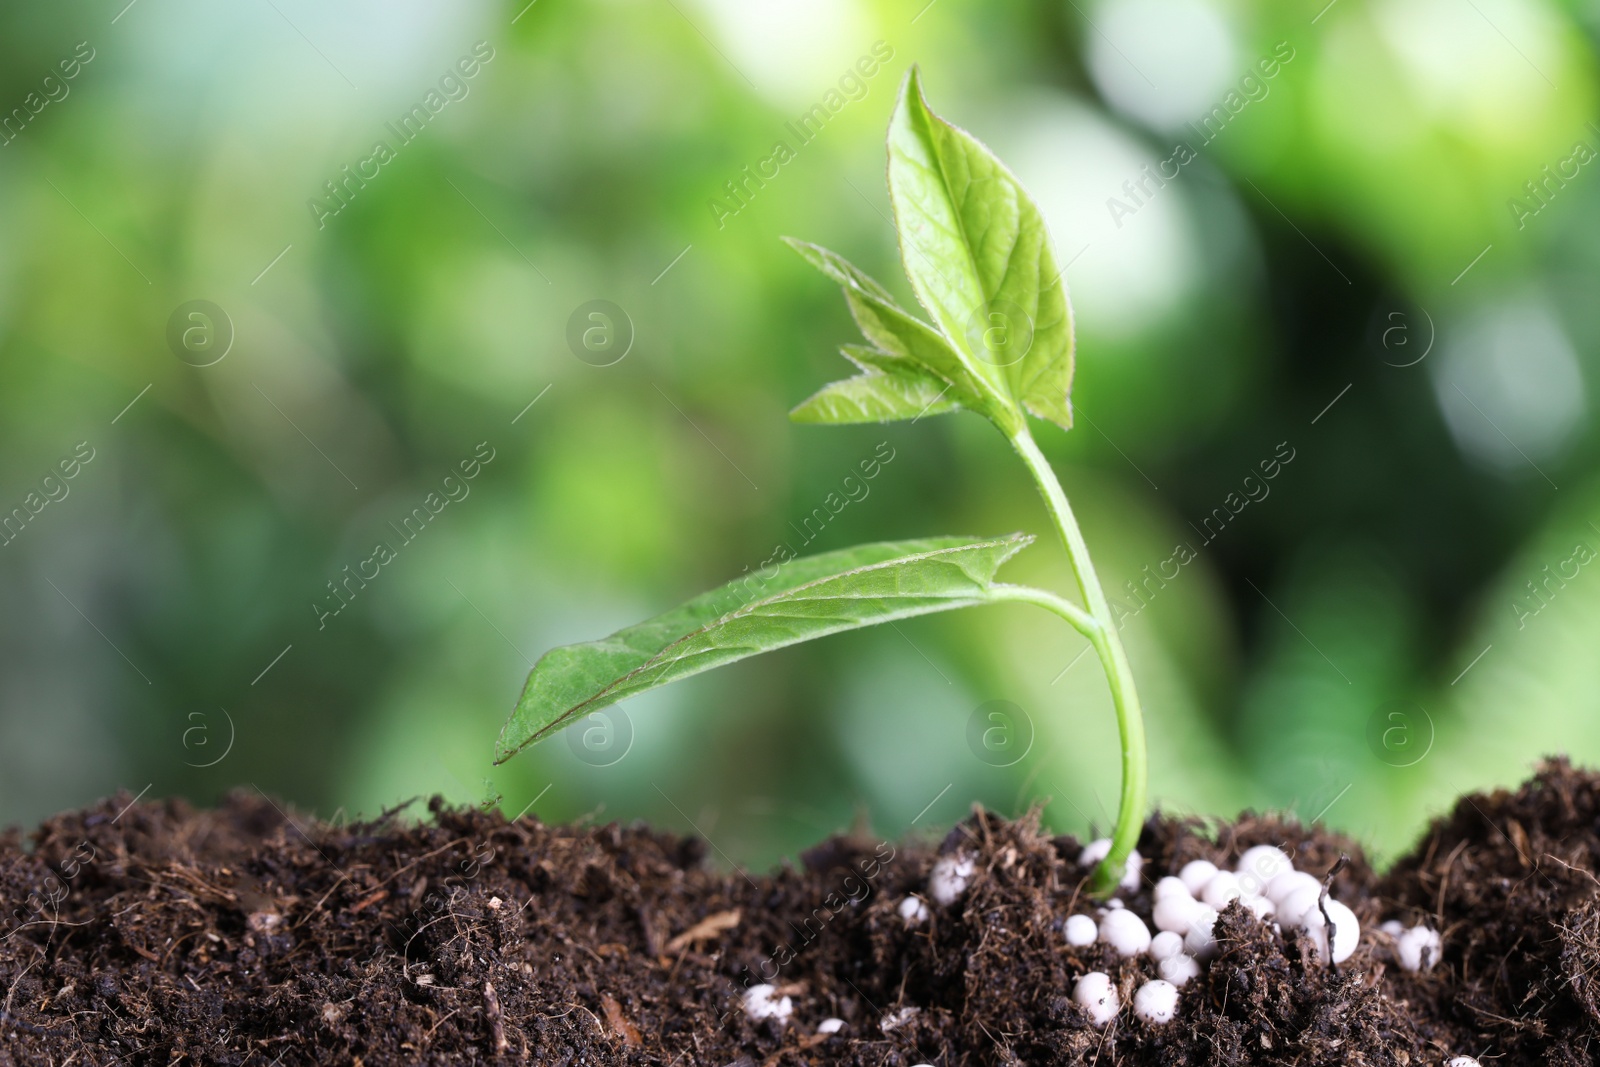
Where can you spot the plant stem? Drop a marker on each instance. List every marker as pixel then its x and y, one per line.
pixel 1081 620
pixel 1113 661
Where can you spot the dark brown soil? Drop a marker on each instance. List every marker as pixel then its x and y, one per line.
pixel 158 935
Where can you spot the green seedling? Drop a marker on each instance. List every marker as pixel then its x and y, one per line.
pixel 1000 343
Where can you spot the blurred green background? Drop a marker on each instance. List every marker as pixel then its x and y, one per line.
pixel 1353 269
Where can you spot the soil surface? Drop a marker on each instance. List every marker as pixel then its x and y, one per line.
pixel 154 934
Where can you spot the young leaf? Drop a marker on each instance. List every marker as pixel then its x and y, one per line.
pixel 806 598
pixel 976 251
pixel 896 331
pixel 839 269
pixel 903 334
pixel 891 388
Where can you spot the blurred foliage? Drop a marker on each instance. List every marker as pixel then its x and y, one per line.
pixel 1379 255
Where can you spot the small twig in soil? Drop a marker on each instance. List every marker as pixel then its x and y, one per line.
pixel 170 949
pixel 324 899
pixel 389 813
pixel 1444 881
pixel 446 1018
pixel 652 936
pixel 1104 1037
pixel 1322 901
pixel 497 1025
pixel 23 926
pixel 706 929
pixel 375 897
pixel 5 1009
pixel 1576 870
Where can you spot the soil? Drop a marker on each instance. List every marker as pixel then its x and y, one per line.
pixel 154 934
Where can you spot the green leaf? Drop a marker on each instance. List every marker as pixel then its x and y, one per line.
pixel 839 269
pixel 896 331
pixel 891 388
pixel 802 599
pixel 978 256
pixel 903 334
